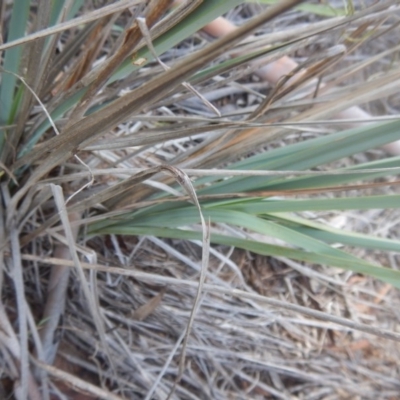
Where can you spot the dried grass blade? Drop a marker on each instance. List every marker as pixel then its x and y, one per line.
pixel 45 395
pixel 77 382
pixel 90 39
pixel 18 281
pixel 56 296
pixel 147 309
pixel 166 365
pixel 132 38
pixel 84 19
pixel 92 303
pixel 186 184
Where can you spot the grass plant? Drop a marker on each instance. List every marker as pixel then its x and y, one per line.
pixel 118 127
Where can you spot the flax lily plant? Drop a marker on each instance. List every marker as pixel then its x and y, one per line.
pixel 109 125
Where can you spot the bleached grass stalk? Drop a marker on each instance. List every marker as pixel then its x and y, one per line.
pixel 12 344
pixel 84 19
pixel 186 184
pixel 92 302
pixel 56 297
pixel 165 367
pixel 77 382
pixel 18 280
pixel 44 395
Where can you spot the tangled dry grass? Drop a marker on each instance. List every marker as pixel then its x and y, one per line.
pixel 240 346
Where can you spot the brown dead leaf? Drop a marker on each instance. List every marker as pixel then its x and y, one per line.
pixel 146 309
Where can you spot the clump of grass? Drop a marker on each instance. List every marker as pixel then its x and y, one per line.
pixel 105 116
